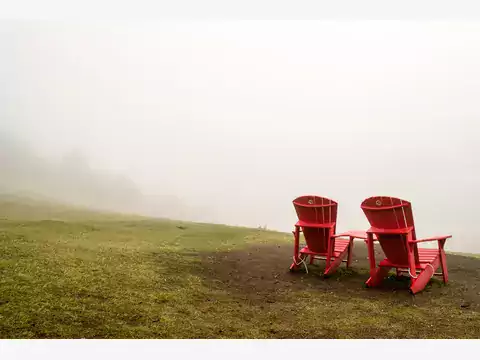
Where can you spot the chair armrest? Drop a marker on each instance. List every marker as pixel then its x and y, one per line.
pixel 305 224
pixel 437 238
pixel 353 234
pixel 404 231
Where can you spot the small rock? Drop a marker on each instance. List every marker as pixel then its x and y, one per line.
pixel 465 305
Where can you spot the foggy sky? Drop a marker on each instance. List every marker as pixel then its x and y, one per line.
pixel 240 117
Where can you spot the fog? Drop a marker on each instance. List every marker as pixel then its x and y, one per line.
pixel 229 121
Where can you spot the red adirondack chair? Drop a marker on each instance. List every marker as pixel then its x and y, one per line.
pixel 317 217
pixel 391 222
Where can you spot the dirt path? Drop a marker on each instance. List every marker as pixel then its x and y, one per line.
pixel 259 272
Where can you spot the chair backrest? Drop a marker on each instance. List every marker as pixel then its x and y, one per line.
pixel 390 213
pixel 320 211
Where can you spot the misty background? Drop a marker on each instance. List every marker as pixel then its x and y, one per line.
pixel 229 121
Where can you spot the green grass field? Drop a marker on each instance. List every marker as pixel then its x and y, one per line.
pixel 68 273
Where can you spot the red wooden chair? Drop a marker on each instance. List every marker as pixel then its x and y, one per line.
pixel 391 222
pixel 317 218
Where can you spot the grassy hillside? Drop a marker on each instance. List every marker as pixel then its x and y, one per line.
pixel 69 273
pixel 34 207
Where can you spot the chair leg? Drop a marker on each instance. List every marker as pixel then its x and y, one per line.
pixel 335 264
pixel 371 254
pixel 350 252
pixel 419 283
pixel 293 266
pixel 443 261
pixel 298 262
pixel 422 280
pixel 377 277
pixel 296 257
